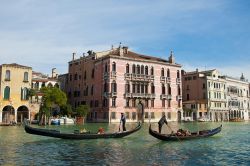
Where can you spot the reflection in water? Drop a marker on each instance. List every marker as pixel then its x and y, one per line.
pixel 230 147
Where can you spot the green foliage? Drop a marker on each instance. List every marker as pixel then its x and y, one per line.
pixel 82 110
pixel 66 110
pixel 53 96
pixel 31 92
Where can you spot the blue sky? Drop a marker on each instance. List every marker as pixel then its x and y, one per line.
pixel 203 34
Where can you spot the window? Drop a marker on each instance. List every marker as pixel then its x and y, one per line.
pixel 96 103
pixel 75 76
pixel 163 103
pixel 106 67
pixel 127 115
pixel 85 75
pixel 92 90
pixel 138 69
pixel 146 115
pixel 133 69
pixel 178 74
pixel 113 87
pixel 133 115
pixel 152 89
pixel 113 102
pixel 152 71
pixel 187 96
pixel 169 103
pixel 169 89
pixel 179 90
pixel 152 115
pixel 203 86
pixel 168 73
pixel 127 88
pixel 133 102
pixel 162 72
pixel 24 94
pixel 138 88
pixel 163 89
pixel 142 69
pixel 152 103
pixel 133 88
pixel 6 93
pixel 114 67
pixel 127 102
pixel 105 87
pixel 7 75
pixel 146 70
pixel 146 103
pixel 113 115
pixel 127 68
pixel 169 115
pixel 25 77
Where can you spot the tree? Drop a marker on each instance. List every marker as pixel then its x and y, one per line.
pixel 66 110
pixel 52 98
pixel 82 110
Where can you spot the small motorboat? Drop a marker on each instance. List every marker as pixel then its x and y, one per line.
pixel 55 122
pixel 77 135
pixel 176 137
pixel 66 120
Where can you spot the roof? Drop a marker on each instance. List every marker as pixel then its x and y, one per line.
pixel 16 65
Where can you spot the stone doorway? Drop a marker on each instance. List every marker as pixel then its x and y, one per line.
pixel 8 114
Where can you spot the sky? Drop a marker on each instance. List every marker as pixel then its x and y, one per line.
pixel 203 34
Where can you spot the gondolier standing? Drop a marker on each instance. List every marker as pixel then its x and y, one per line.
pixel 123 121
pixel 161 122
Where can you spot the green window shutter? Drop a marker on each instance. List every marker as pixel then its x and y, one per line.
pixel 7 93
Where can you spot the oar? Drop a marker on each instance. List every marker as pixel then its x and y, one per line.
pixel 173 131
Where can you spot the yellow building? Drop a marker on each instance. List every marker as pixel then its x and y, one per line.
pixel 15 82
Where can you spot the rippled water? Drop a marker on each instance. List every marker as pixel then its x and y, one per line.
pixel 230 147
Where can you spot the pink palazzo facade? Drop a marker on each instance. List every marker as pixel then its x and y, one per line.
pixel 118 80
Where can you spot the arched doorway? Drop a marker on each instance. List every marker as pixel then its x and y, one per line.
pixel 8 114
pixel 140 112
pixel 22 113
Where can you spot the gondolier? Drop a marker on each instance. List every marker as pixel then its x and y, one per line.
pixel 161 122
pixel 123 121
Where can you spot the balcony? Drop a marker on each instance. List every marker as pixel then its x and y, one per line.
pixel 164 96
pixel 178 81
pixel 138 77
pixel 109 75
pixel 107 94
pixel 178 97
pixel 164 79
pixel 139 95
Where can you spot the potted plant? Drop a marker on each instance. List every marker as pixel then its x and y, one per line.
pixel 81 112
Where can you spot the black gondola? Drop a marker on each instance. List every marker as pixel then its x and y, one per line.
pixel 86 135
pixel 194 135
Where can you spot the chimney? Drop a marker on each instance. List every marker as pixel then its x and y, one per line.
pixel 73 56
pixel 125 50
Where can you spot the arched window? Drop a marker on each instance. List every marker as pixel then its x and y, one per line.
pixel 146 70
pixel 163 89
pixel 127 88
pixel 178 74
pixel 138 69
pixel 152 71
pixel 142 69
pixel 24 94
pixel 179 90
pixel 7 75
pixel 169 89
pixel 6 93
pixel 133 69
pixel 26 77
pixel 168 73
pixel 152 88
pixel 114 67
pixel 105 87
pixel 127 68
pixel 162 72
pixel 113 87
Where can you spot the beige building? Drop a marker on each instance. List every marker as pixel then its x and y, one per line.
pixel 207 94
pixel 15 81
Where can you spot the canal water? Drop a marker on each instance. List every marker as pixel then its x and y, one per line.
pixel 230 147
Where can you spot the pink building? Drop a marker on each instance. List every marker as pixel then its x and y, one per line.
pixel 119 80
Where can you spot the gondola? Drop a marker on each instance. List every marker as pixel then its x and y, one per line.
pixel 77 135
pixel 194 135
